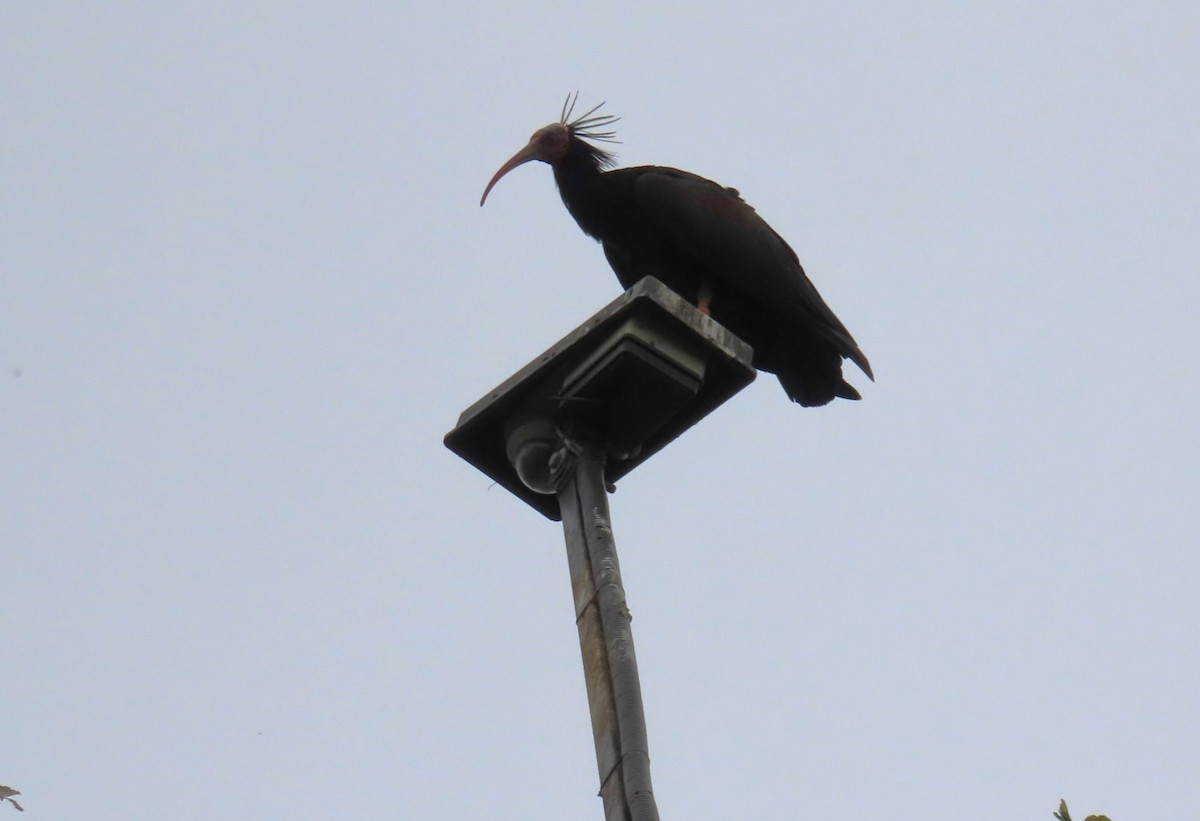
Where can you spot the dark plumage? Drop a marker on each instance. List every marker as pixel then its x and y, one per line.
pixel 706 244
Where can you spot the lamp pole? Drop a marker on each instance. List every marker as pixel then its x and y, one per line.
pixel 606 641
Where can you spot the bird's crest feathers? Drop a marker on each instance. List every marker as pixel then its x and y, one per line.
pixel 591 126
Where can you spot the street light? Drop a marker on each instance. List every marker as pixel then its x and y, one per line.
pixel 559 432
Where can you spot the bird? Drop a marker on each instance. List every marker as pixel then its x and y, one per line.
pixel 705 243
pixel 7 793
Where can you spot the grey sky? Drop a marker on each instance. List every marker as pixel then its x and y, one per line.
pixel 245 288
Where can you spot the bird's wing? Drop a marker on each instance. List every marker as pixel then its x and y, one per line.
pixel 730 243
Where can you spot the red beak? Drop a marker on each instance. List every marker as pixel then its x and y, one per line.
pixel 529 152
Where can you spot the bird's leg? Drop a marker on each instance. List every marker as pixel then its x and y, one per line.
pixel 703 298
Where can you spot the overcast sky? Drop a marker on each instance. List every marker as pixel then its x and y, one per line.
pixel 246 288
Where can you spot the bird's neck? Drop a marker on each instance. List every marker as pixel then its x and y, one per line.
pixel 581 183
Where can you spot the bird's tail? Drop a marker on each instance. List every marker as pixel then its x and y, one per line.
pixel 815 377
pixel 812 388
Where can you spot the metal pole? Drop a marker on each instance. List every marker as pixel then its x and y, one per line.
pixel 606 642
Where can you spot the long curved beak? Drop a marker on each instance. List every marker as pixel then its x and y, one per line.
pixel 529 152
